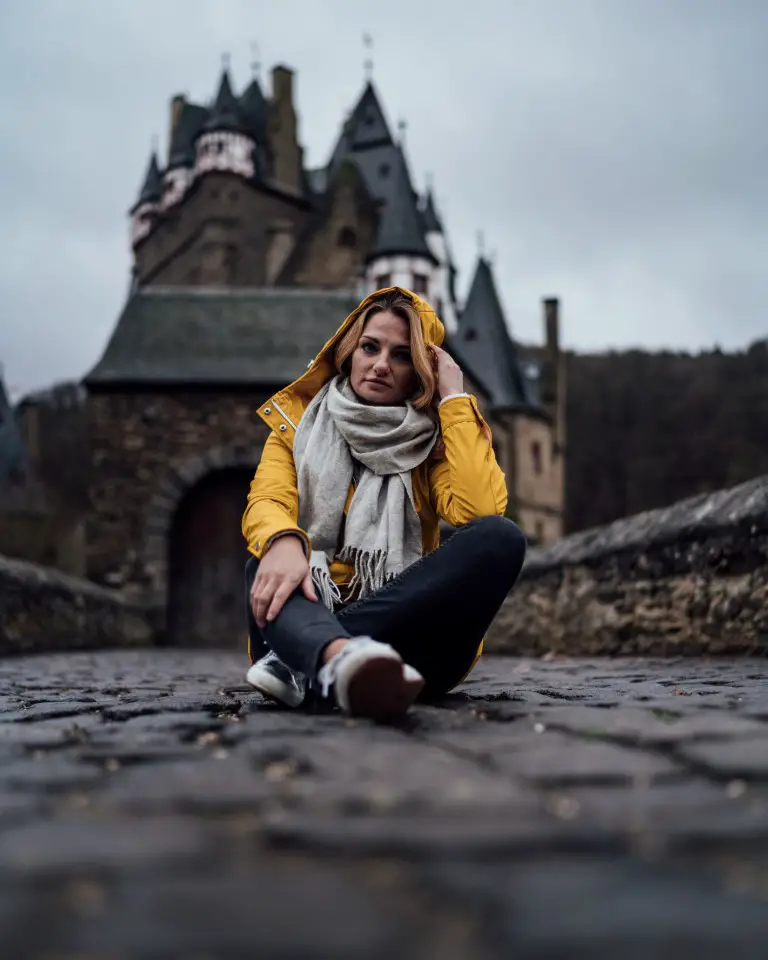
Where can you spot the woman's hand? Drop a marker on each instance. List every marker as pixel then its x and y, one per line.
pixel 450 379
pixel 282 569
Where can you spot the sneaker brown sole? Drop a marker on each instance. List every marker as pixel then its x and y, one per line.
pixel 379 690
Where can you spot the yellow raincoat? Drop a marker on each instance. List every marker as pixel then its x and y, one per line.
pixel 463 484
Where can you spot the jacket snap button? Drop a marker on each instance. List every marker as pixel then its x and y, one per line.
pixel 267 411
pixel 283 428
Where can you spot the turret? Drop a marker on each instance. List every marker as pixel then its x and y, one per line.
pixel 437 241
pixel 224 143
pixel 401 256
pixel 145 209
pixel 181 154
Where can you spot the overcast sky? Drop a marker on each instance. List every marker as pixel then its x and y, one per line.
pixel 613 152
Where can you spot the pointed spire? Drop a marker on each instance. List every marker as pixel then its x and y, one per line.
pixel 432 223
pixel 400 228
pixel 224 113
pixel 484 336
pixel 367 125
pixel 152 187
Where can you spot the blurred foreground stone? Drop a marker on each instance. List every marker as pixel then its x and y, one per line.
pixel 153 807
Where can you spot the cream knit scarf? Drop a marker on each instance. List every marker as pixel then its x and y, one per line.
pixel 382 531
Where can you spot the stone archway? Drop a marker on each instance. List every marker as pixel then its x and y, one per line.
pixel 206 492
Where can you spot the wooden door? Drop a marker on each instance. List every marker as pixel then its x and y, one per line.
pixel 207 556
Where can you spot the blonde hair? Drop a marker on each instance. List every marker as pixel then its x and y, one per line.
pixel 421 356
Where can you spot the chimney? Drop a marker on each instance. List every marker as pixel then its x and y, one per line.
pixel 553 373
pixel 552 326
pixel 177 105
pixel 282 133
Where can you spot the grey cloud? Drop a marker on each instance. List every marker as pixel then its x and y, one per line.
pixel 614 154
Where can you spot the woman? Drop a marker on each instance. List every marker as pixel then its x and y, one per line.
pixel 369 449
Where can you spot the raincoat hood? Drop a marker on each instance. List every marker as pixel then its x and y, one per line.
pixel 283 411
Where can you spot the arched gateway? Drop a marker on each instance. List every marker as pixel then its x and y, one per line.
pixel 195 551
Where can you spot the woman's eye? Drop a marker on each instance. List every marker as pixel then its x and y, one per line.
pixel 369 348
pixel 403 357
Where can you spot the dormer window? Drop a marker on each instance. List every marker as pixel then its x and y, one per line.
pixel 420 284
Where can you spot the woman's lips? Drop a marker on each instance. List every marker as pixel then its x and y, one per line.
pixel 378 383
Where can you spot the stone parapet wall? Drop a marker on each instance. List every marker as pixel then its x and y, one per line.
pixel 687 579
pixel 43 610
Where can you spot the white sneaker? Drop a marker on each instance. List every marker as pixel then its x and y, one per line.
pixel 272 678
pixel 369 679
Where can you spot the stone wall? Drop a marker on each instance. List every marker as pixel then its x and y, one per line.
pixel 43 610
pixel 148 448
pixel 688 579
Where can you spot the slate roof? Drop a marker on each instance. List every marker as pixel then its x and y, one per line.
pixel 263 337
pixel 225 112
pixel 366 126
pixel 152 187
pixel 253 111
pixel 190 124
pixel 400 227
pixel 430 220
pixel 484 339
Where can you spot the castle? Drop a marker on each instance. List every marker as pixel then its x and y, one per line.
pixel 244 261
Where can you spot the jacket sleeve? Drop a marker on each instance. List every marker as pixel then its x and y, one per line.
pixel 468 483
pixel 272 509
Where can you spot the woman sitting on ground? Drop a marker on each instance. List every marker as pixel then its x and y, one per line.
pixel 347 589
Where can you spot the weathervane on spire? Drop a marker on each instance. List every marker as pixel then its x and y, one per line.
pixel 368 62
pixel 255 60
pixel 402 127
pixel 225 60
pixel 481 243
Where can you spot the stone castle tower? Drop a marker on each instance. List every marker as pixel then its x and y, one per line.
pixel 244 262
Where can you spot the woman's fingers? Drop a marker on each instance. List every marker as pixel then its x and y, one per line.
pixel 308 587
pixel 281 594
pixel 261 597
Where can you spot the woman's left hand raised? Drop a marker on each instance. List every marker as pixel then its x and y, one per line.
pixel 450 379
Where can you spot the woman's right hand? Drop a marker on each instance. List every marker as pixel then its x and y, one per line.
pixel 282 569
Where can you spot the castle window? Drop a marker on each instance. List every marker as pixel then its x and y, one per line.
pixel 383 280
pixel 420 284
pixel 470 334
pixel 439 306
pixel 536 456
pixel 384 170
pixel 347 237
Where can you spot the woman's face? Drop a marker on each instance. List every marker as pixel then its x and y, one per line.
pixel 382 369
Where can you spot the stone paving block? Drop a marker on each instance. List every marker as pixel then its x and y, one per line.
pixel 49 774
pixel 49 711
pixel 277 910
pixel 83 843
pixel 376 773
pixel 747 759
pixel 205 785
pixel 606 908
pixel 490 836
pixel 645 727
pixel 549 758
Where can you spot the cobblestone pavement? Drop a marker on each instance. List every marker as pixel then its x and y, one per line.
pixel 152 807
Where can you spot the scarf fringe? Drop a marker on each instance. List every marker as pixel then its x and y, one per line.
pixel 327 591
pixel 370 569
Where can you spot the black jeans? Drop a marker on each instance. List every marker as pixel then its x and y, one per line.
pixel 435 613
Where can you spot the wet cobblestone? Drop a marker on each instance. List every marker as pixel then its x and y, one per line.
pixel 152 806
